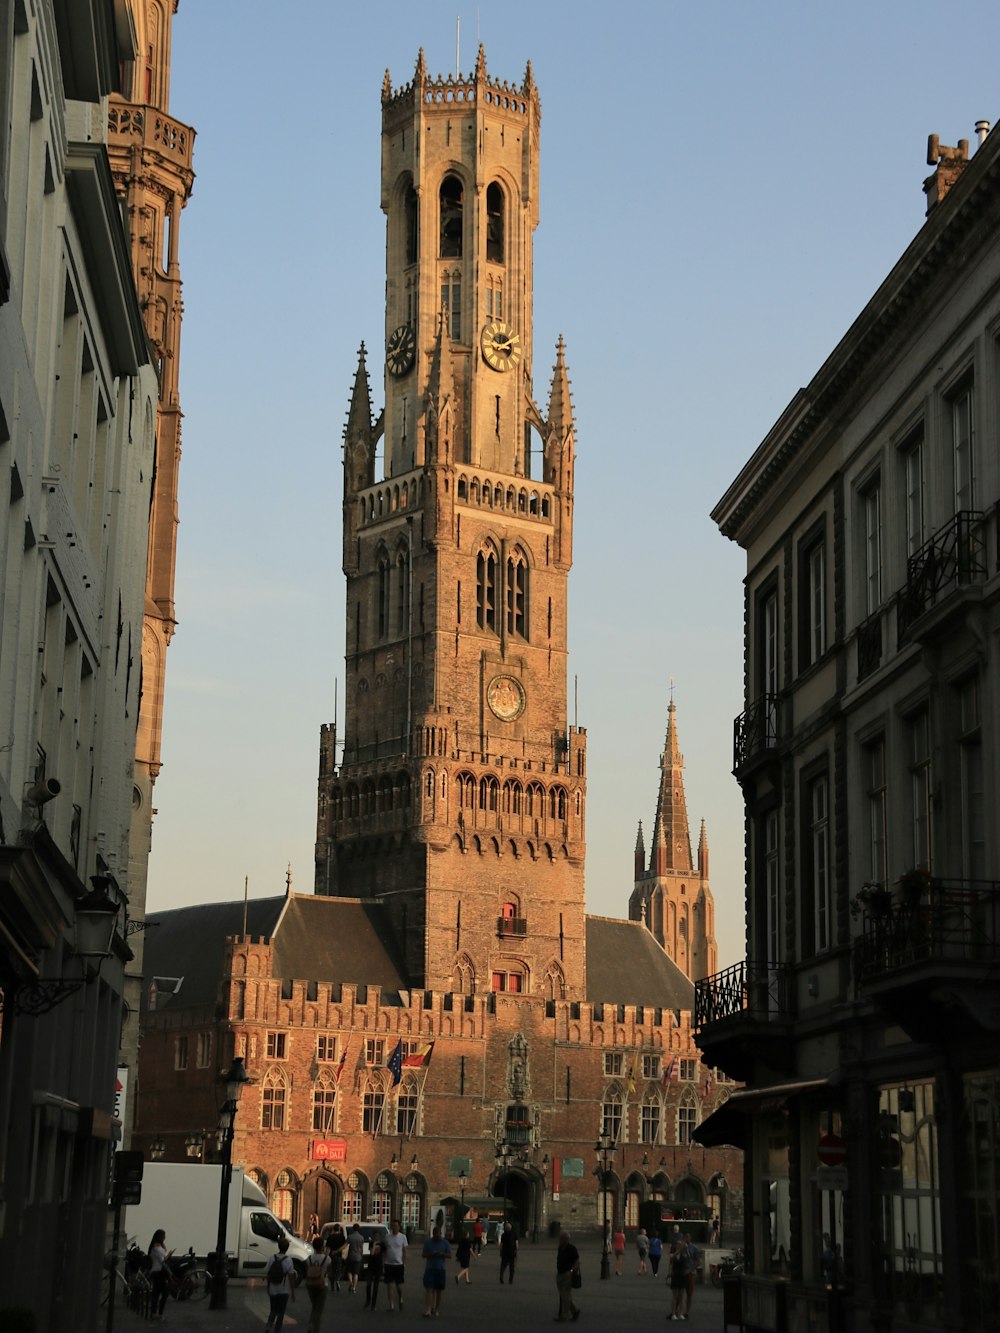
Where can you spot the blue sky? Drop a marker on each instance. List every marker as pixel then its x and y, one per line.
pixel 723 187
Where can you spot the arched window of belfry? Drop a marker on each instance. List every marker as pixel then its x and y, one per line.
pixel 451 199
pixel 517 593
pixel 411 217
pixel 494 225
pixel 487 572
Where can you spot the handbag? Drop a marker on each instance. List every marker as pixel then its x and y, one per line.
pixel 344 1251
pixel 577 1279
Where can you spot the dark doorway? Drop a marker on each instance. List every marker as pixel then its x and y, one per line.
pixel 321 1195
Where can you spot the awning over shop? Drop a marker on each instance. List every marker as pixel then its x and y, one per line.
pixel 730 1123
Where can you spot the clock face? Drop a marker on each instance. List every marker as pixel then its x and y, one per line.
pixel 505 696
pixel 400 350
pixel 501 345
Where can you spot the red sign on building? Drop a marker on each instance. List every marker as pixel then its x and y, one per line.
pixel 329 1150
pixel 832 1150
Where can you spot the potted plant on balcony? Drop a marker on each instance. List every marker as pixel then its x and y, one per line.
pixel 874 899
pixel 913 886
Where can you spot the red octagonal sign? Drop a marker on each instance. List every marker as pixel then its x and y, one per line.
pixel 831 1149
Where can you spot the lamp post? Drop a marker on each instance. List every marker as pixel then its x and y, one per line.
pixel 604 1148
pixel 234 1080
pixel 462 1178
pixel 193 1146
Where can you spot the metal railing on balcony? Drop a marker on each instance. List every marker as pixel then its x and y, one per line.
pixel 755 731
pixel 869 639
pixel 512 926
pixel 954 922
pixel 953 558
pixel 761 991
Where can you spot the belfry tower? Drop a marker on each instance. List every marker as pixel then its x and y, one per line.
pixel 459 797
pixel 672 893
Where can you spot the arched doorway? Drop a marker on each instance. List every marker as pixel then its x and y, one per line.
pixel 518 1190
pixel 321 1195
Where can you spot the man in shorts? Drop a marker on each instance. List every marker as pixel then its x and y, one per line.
pixel 395 1265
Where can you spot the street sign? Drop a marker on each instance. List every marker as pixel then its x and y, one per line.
pixel 831 1150
pixel 832 1178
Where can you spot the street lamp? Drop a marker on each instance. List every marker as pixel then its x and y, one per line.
pixel 234 1080
pixel 462 1178
pixel 604 1148
pixel 157 1149
pixel 193 1145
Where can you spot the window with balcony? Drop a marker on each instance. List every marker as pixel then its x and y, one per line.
pixel 918 726
pixel 963 448
pixel 913 474
pixel 812 601
pixel 873 756
pixel 971 759
pixel 818 862
pixel 871 508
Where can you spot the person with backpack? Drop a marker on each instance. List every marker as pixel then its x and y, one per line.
pixel 280 1286
pixel 317 1281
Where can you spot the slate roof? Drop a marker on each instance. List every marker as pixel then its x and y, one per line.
pixel 315 939
pixel 625 965
pixel 187 944
pixel 338 939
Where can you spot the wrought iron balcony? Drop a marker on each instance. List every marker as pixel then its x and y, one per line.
pixel 745 1013
pixel 869 640
pixel 953 558
pixel 756 990
pixel 755 732
pixel 512 926
pixel 917 959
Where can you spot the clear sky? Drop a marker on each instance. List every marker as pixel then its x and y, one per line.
pixel 723 187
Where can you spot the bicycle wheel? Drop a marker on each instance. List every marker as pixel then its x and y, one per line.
pixel 195 1285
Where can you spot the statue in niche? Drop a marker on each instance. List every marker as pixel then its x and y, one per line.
pixel 517 1068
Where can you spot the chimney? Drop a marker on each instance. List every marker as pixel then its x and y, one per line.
pixel 950 163
pixel 982 129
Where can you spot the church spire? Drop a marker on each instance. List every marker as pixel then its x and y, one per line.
pixel 671 834
pixel 640 853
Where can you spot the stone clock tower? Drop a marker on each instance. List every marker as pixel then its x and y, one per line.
pixel 457 795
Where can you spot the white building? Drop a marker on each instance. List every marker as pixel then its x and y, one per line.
pixel 78 399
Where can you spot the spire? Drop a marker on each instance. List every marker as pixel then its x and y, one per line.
pixel 481 62
pixel 560 402
pixel 359 416
pixel 640 854
pixel 671 835
pixel 440 394
pixel 703 853
pixel 386 86
pixel 529 80
pixel 420 73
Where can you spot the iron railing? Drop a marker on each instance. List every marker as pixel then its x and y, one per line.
pixel 512 926
pixel 762 991
pixel 953 922
pixel 755 731
pixel 953 558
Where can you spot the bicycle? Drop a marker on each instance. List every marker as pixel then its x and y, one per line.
pixel 193 1286
pixel 116 1287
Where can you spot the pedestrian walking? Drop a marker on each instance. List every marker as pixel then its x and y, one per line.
pixel 477 1236
pixel 618 1245
pixel 642 1246
pixel 508 1253
pixel 694 1263
pixel 355 1257
pixel 280 1287
pixel 679 1263
pixel 336 1248
pixel 567 1272
pixel 317 1281
pixel 394 1268
pixel 463 1253
pixel 436 1253
pixel 655 1252
pixel 376 1258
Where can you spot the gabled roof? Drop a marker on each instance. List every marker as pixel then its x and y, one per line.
pixel 314 938
pixel 626 965
pixel 338 939
pixel 187 944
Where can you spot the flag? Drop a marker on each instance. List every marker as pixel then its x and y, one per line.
pixel 420 1058
pixel 631 1074
pixel 670 1072
pixel 342 1061
pixel 395 1064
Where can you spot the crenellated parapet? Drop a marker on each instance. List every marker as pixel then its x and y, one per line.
pixel 452 91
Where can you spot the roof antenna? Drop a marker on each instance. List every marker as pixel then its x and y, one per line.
pixel 246 889
pixel 458 67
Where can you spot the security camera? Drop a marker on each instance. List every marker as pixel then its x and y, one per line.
pixel 40 792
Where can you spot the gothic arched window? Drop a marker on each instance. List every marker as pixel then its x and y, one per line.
pixel 495 224
pixel 272 1100
pixel 324 1103
pixel 411 217
pixel 517 594
pixel 451 199
pixel 383 595
pixel 486 589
